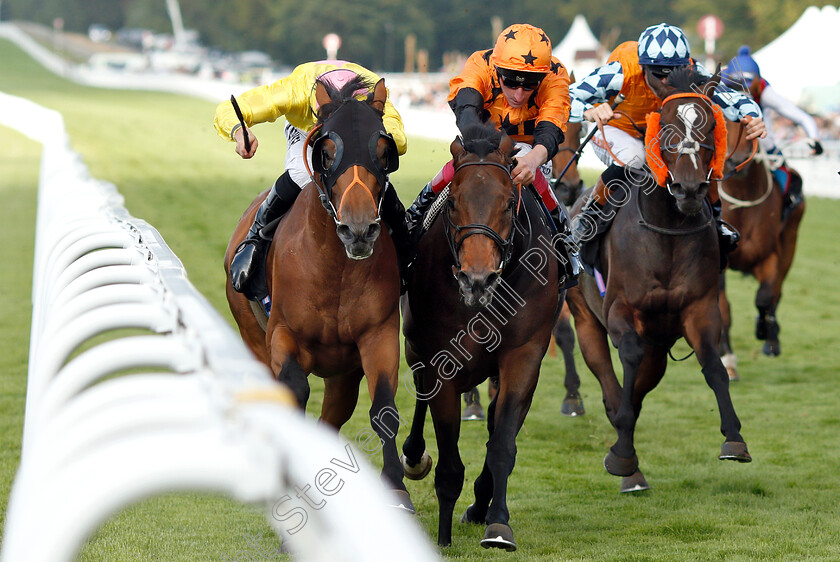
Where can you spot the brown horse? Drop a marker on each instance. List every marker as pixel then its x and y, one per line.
pixel 481 304
pixel 752 203
pixel 660 261
pixel 332 275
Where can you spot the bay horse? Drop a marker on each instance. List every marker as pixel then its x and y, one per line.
pixel 332 274
pixel 752 203
pixel 567 189
pixel 482 303
pixel 660 263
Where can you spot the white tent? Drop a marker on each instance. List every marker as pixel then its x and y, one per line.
pixel 803 56
pixel 580 51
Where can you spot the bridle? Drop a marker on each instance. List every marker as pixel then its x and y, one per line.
pixel 453 230
pixel 687 146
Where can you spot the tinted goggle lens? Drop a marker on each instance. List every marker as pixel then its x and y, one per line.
pixel 511 83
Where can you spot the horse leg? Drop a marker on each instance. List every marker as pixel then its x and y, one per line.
pixel 483 486
pixel 621 459
pixel 380 350
pixel 341 393
pixel 449 473
pixel 701 332
pixel 415 459
pixel 651 370
pixel 285 365
pixel 518 373
pixel 565 337
pixel 592 338
pixel 730 360
pixel 787 248
pixel 766 298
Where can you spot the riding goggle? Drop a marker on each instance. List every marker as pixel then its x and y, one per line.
pixel 661 72
pixel 515 81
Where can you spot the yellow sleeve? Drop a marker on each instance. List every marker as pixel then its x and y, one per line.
pixel 288 96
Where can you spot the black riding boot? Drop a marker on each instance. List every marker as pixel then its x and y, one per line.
pixel 728 237
pixel 570 264
pixel 394 217
pixel 794 195
pixel 251 251
pixel 414 214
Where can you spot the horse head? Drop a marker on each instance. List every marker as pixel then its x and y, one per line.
pixel 351 158
pixel 686 140
pixel 480 211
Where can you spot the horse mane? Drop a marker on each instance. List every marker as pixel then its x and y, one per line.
pixel 481 139
pixel 345 93
pixel 686 79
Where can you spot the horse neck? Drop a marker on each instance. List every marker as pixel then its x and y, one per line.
pixel 750 183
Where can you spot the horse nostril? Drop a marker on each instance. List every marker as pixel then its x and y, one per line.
pixel 492 280
pixel 344 232
pixel 372 231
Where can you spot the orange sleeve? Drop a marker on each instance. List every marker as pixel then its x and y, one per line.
pixel 553 97
pixel 476 75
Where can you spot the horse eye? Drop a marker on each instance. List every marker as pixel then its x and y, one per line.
pixel 451 204
pixel 326 159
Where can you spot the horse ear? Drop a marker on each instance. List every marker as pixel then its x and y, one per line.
pixel 457 147
pixel 380 95
pixel 321 95
pixel 713 82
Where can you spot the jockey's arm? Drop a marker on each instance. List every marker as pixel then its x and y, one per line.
pixel 771 99
pixel 597 88
pixel 738 107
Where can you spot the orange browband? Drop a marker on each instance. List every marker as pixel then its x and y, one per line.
pixel 654 153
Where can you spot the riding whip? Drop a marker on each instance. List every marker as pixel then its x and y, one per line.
pixel 242 122
pixel 618 99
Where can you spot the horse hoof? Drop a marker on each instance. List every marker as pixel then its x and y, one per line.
pixel 470 516
pixel 473 412
pixel 573 407
pixel 634 483
pixel 771 349
pixel 620 466
pixel 419 470
pixel 498 535
pixel 402 500
pixel 734 451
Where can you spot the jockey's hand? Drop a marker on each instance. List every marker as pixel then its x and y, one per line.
pixel 526 166
pixel 599 114
pixel 816 146
pixel 755 127
pixel 240 143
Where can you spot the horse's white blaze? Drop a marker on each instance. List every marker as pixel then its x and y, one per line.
pixel 688 115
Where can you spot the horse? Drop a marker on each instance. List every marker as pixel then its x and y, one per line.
pixel 332 275
pixel 752 203
pixel 481 304
pixel 660 260
pixel 566 189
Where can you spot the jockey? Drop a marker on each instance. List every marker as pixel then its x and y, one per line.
pixel 519 87
pixel 629 70
pixel 742 73
pixel 294 97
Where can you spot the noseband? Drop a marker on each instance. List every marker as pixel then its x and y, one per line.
pixel 453 230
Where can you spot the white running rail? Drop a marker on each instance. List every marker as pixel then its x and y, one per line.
pixel 202 415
